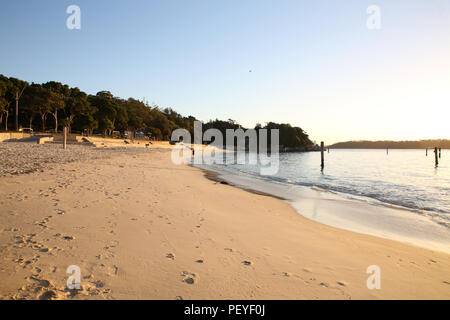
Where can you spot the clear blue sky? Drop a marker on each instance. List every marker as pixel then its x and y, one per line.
pixel 314 64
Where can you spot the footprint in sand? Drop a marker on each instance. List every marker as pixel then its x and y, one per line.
pixel 99 284
pixel 42 282
pixel 11 230
pixel 27 241
pixel 170 256
pixel 189 278
pixel 43 222
pixel 49 295
pixel 247 263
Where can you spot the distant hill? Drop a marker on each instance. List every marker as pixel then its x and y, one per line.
pixel 421 144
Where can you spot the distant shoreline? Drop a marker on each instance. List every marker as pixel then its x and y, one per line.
pixel 395 148
pixel 383 144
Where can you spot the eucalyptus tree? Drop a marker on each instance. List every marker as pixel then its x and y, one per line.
pixel 6 98
pixel 77 104
pixel 106 107
pixel 3 101
pixel 14 93
pixel 56 96
pixel 38 100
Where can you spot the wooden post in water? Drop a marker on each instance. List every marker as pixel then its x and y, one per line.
pixel 426 152
pixel 65 138
pixel 439 152
pixel 436 156
pixel 387 150
pixel 322 160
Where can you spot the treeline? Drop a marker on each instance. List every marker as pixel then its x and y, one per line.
pixel 420 144
pixel 52 105
pixel 291 138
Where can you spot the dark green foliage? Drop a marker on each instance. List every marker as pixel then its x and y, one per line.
pixel 103 113
pixel 290 137
pixel 9 87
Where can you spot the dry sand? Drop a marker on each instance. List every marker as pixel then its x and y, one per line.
pixel 140 227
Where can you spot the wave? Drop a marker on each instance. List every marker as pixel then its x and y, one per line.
pixel 438 215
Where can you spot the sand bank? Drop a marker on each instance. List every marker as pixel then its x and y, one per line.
pixel 140 227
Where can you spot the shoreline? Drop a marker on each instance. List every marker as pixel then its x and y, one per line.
pixel 214 176
pixel 346 212
pixel 140 227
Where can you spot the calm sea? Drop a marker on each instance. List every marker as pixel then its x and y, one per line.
pixel 406 178
pixel 403 179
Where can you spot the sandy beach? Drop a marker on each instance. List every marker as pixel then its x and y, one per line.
pixel 141 227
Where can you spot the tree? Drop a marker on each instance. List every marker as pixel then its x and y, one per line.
pixel 291 137
pixel 155 133
pixel 6 97
pixel 15 89
pixel 29 101
pixel 38 99
pixel 55 102
pixel 86 122
pixel 161 122
pixel 121 118
pixel 106 110
pixel 56 98
pixel 3 102
pixel 77 104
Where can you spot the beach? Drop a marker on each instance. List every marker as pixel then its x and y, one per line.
pixel 140 227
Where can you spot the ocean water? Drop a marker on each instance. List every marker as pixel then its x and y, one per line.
pixel 405 178
pixel 399 195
